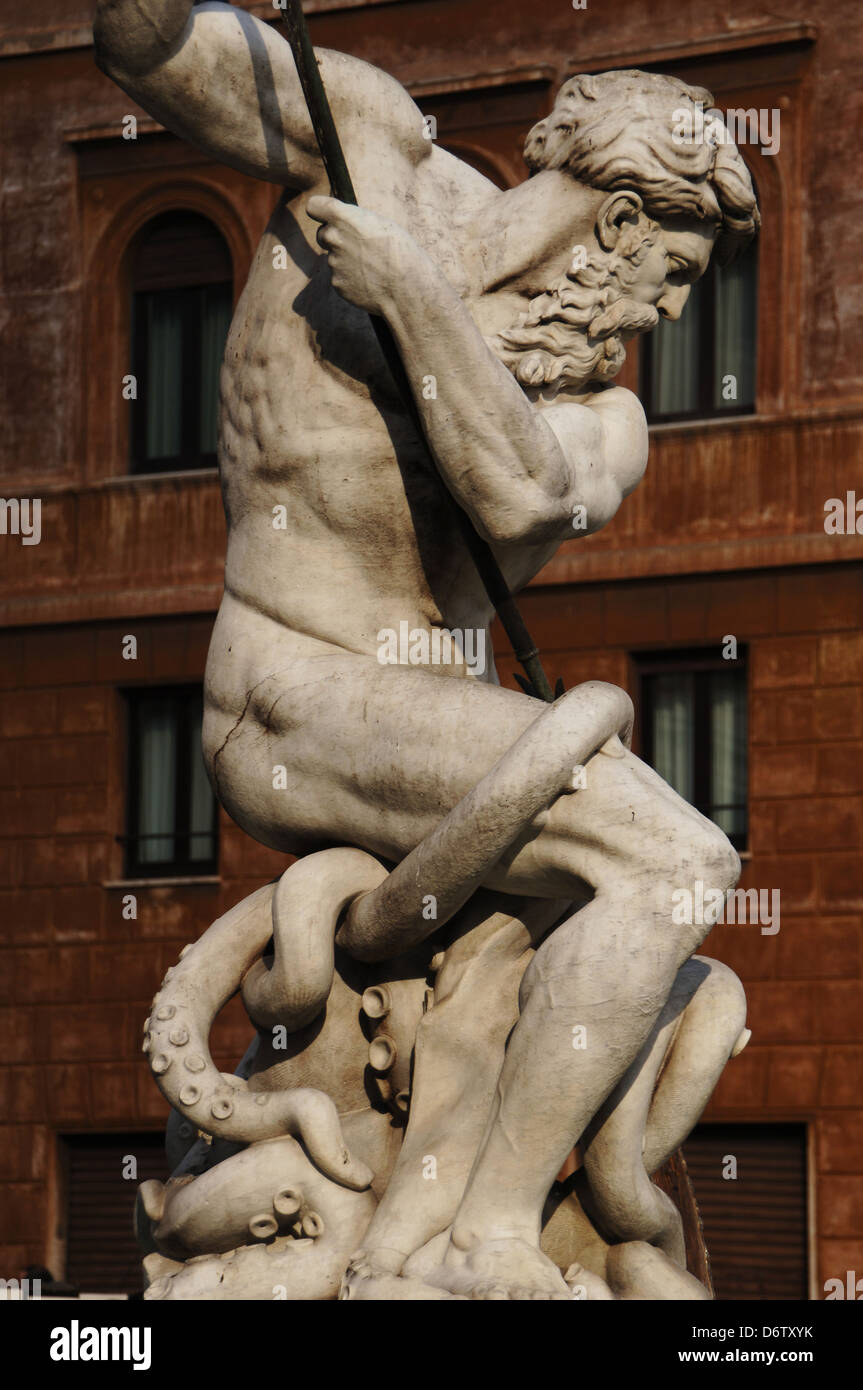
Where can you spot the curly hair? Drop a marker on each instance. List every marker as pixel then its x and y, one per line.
pixel 617 130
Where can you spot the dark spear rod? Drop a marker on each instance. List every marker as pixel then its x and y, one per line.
pixel 342 188
pixel 489 571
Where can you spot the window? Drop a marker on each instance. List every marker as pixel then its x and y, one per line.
pixel 704 363
pixel 750 1184
pixel 172 820
pixel 694 732
pixel 181 311
pixel 101 1181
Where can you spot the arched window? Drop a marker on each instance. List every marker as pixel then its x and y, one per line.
pixel 704 364
pixel 182 292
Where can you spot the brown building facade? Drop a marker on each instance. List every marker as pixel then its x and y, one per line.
pixel 736 533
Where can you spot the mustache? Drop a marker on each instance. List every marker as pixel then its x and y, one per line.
pixel 557 324
pixel 576 346
pixel 574 330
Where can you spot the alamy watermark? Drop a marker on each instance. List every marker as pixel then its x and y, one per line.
pixel 844 517
pixel 20 1290
pixel 737 127
pixel 21 516
pixel 438 646
pixel 706 907
pixel 848 1288
pixel 77 1343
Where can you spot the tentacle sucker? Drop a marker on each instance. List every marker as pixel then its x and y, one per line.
pixel 177 1044
pixel 385 916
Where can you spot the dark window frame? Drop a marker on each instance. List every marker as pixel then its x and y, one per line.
pixel 191 455
pixel 695 661
pixel 182 865
pixel 188 284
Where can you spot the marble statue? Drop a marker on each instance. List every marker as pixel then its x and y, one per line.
pixel 471 969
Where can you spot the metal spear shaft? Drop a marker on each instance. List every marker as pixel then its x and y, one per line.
pixel 333 158
pixel 674 1171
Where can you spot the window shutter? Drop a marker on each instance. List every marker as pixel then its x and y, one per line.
pixel 102 1254
pixel 755 1225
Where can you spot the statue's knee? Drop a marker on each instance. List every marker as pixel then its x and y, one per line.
pixel 690 851
pixel 720 984
pixel 718 862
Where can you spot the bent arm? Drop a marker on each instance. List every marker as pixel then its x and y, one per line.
pixel 517 470
pixel 227 83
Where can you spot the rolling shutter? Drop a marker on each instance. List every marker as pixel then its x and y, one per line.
pixel 755 1225
pixel 102 1255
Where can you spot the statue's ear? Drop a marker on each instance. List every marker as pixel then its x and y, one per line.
pixel 622 206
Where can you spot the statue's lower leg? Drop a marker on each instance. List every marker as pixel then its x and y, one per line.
pixel 458 1052
pixel 591 997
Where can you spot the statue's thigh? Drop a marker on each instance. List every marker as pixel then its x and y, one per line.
pixel 341 750
pixel 623 820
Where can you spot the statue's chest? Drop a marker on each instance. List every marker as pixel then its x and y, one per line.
pixel 294 340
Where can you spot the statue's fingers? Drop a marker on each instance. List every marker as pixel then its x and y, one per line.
pixel 327 237
pixel 322 209
pixel 339 214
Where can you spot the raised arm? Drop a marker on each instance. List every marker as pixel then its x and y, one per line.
pixel 517 470
pixel 226 82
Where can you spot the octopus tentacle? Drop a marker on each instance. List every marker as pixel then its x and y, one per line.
pixel 308 901
pixel 453 861
pixel 384 917
pixel 177 1044
pixel 262 1225
pixel 266 1190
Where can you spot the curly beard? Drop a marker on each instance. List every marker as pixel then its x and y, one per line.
pixel 571 335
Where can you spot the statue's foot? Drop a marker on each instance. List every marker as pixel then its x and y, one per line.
pixel 373 1277
pixel 508 1268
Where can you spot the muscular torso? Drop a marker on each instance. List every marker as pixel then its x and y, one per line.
pixel 311 424
pixel 339 524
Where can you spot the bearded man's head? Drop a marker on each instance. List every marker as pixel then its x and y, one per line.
pixel 619 131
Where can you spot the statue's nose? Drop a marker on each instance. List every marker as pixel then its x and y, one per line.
pixel 671 304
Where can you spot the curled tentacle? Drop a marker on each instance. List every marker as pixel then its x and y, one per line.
pixel 307 904
pixel 177 1044
pixel 454 860
pixel 267 1215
